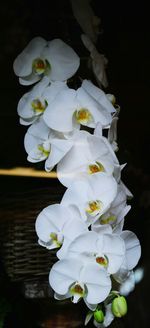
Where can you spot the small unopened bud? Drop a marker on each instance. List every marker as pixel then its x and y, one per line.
pixel 99 316
pixel 119 306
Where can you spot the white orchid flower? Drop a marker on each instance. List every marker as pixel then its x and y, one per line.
pixel 90 154
pixel 86 106
pixel 99 61
pixel 92 196
pixel 33 104
pixel 105 249
pixel 73 278
pixel 54 59
pixel 116 213
pixel 56 226
pixel 132 255
pixel 43 144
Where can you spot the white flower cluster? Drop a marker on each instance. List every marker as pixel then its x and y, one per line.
pixel 95 255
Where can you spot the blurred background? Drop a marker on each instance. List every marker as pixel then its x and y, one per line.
pixel 24 291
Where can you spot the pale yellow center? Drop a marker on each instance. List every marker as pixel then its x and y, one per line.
pixel 44 151
pixel 55 240
pixel 94 207
pixel 102 261
pixel 94 168
pixel 108 220
pixel 77 289
pixel 41 66
pixel 38 106
pixel 83 116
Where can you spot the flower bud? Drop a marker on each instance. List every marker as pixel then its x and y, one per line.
pixel 119 306
pixel 99 316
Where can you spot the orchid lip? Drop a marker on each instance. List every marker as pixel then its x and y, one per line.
pixel 44 149
pixel 41 66
pixel 94 207
pixel 96 167
pixel 57 239
pixel 83 116
pixel 38 107
pixel 111 219
pixel 102 260
pixel 77 291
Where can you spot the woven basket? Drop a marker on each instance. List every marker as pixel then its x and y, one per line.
pixel 23 258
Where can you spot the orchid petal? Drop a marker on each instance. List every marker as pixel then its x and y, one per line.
pixel 85 243
pixel 101 228
pixel 99 113
pixel 109 317
pixel 98 95
pixel 126 190
pixel 51 219
pixel 27 122
pixel 59 148
pixel 87 149
pixel 58 115
pixel 133 248
pixel 63 274
pixel 92 307
pixel 98 130
pixel 61 297
pixel 122 274
pixel 97 281
pixel 23 63
pixel 96 187
pixel 25 109
pixel 114 248
pixel 28 80
pixel 62 58
pixel 72 229
pixel 53 90
pixel 118 228
pixel 36 134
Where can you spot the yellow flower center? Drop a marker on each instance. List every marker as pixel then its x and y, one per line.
pixel 108 220
pixel 77 289
pixel 102 260
pixel 38 106
pixel 94 207
pixel 55 240
pixel 40 66
pixel 44 150
pixel 94 168
pixel 83 116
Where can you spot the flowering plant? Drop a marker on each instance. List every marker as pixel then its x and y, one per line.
pixel 96 257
